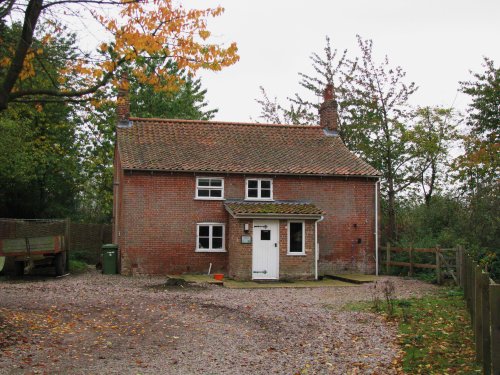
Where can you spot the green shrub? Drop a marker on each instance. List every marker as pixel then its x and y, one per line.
pixel 77 266
pixel 89 257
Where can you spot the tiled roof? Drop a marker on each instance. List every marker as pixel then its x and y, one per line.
pixel 237 208
pixel 206 146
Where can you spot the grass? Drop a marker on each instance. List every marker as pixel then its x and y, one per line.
pixel 434 333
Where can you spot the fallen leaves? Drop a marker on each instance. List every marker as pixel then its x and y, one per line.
pixel 122 323
pixel 438 338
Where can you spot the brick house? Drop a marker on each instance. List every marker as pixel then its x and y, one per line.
pixel 254 201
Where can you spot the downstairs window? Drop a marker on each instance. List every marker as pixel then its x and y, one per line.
pixel 296 238
pixel 210 237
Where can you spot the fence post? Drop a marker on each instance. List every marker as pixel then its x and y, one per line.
pixel 462 264
pixel 388 257
pixel 461 270
pixel 67 240
pixel 478 316
pixel 485 318
pixel 411 260
pixel 472 289
pixel 438 267
pixel 101 237
pixel 466 281
pixel 470 277
pixel 495 328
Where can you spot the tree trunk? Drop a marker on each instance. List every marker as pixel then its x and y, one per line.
pixel 428 194
pixel 391 213
pixel 30 20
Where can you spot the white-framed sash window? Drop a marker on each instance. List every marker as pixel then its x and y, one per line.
pixel 259 189
pixel 296 237
pixel 210 237
pixel 211 188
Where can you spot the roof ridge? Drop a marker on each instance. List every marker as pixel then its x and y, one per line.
pixel 186 121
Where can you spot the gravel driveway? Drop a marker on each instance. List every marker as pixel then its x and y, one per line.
pixel 95 324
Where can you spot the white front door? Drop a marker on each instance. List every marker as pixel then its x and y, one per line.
pixel 265 255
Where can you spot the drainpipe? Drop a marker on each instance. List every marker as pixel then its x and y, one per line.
pixel 316 247
pixel 377 184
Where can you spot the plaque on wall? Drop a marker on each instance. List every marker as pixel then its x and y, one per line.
pixel 246 239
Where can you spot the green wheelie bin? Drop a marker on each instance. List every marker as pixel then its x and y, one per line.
pixel 109 259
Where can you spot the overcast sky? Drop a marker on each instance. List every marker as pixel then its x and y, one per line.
pixel 436 42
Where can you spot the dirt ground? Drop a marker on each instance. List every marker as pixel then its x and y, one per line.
pixel 101 324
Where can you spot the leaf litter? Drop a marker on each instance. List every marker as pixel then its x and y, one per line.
pixel 93 323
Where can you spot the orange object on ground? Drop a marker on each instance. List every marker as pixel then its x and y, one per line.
pixel 219 276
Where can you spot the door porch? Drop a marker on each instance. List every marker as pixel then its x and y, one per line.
pixel 278 244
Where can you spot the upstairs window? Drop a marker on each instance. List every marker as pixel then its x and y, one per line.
pixel 209 188
pixel 259 189
pixel 210 237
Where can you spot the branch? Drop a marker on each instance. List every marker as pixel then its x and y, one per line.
pixel 30 20
pixel 46 71
pixel 5 11
pixel 412 179
pixel 48 100
pixel 100 2
pixel 67 94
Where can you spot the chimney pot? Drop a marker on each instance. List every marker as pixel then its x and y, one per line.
pixel 328 93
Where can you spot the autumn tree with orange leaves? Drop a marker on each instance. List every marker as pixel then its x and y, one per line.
pixel 139 31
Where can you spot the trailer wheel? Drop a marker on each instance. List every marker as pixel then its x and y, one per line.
pixel 19 268
pixel 60 263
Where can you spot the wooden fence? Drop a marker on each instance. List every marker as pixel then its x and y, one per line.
pixel 482 296
pixel 445 262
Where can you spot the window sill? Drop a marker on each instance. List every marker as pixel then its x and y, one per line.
pixel 260 199
pixel 209 199
pixel 297 254
pixel 210 251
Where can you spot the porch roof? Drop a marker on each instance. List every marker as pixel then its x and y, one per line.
pixel 277 209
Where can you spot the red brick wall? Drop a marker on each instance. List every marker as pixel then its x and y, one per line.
pixel 297 266
pixel 240 255
pixel 158 216
pixel 158 226
pixel 350 212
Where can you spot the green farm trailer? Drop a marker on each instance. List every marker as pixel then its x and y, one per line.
pixel 31 252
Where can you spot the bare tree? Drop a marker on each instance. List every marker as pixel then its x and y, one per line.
pixel 377 118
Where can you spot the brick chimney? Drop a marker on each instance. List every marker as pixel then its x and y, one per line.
pixel 328 115
pixel 123 102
